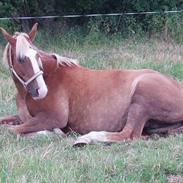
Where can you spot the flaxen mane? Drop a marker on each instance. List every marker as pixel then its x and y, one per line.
pixel 65 61
pixel 22 45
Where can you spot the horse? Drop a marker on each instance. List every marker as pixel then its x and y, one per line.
pixel 100 105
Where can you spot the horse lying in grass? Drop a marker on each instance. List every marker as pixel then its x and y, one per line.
pixel 102 106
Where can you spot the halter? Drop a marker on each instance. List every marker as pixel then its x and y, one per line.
pixel 24 83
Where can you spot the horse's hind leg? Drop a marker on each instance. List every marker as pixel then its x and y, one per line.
pixel 10 120
pixel 136 120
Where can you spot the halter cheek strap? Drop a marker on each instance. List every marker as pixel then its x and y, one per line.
pixel 24 83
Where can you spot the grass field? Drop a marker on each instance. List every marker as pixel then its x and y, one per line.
pixel 53 159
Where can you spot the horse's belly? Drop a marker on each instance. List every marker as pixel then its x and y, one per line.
pixel 110 118
pixel 86 127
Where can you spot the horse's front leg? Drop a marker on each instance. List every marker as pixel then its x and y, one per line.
pixel 10 120
pixel 19 118
pixel 40 122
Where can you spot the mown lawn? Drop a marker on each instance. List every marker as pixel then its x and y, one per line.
pixel 53 159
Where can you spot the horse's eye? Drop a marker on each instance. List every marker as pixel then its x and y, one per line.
pixel 22 60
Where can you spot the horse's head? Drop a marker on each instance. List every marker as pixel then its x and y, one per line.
pixel 25 63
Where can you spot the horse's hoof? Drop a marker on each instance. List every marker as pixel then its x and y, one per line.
pixel 80 143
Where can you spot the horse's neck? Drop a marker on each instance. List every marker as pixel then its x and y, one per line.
pixel 49 65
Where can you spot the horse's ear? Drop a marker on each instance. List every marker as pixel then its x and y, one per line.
pixel 32 33
pixel 7 36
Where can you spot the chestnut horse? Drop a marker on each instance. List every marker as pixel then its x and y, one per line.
pixel 102 106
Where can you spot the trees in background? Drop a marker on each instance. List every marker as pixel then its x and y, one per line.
pixel 169 25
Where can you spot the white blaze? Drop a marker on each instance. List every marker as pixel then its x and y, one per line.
pixel 24 48
pixel 43 90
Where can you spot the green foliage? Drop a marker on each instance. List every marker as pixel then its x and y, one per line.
pixel 169 26
pixel 175 28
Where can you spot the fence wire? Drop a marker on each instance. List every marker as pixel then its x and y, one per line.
pixel 90 15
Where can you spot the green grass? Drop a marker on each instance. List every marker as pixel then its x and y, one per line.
pixel 53 159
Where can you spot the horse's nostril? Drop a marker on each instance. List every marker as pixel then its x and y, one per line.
pixel 34 92
pixel 37 92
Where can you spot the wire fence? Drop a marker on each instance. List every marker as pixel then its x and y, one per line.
pixel 91 15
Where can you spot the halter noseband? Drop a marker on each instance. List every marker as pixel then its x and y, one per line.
pixel 24 83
